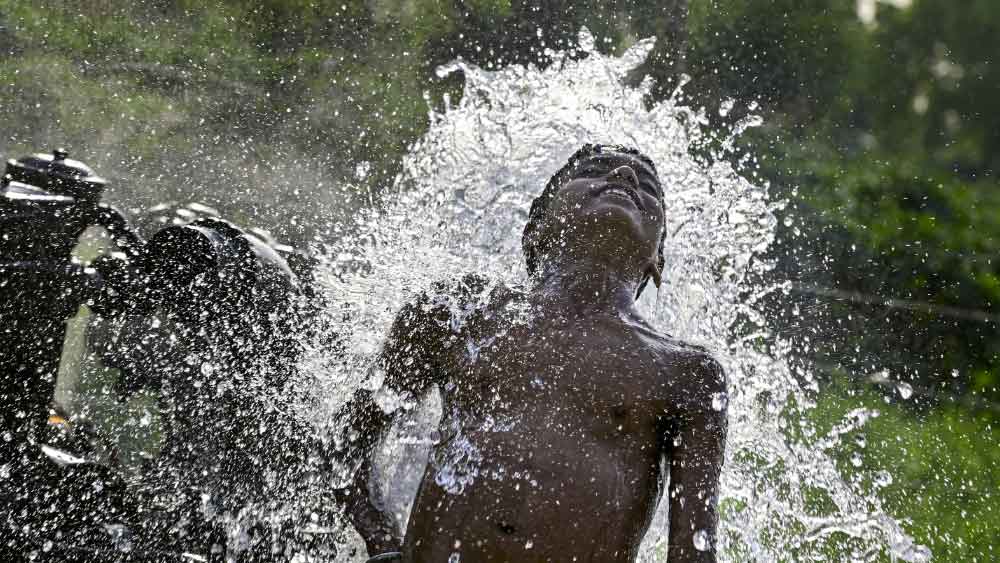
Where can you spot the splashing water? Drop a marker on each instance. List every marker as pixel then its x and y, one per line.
pixel 459 206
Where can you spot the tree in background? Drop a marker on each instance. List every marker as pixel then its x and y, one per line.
pixel 884 135
pixel 295 113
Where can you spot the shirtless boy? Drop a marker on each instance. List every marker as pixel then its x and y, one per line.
pixel 555 424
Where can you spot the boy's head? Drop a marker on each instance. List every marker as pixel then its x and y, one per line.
pixel 604 168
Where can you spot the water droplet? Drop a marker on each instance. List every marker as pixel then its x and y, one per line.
pixel 905 389
pixel 585 40
pixel 529 544
pixel 857 460
pixel 726 106
pixel 883 478
pixel 362 169
pixel 207 368
pixel 701 540
pixel 120 537
pixel 720 401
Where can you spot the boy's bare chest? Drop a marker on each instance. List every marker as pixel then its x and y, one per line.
pixel 589 367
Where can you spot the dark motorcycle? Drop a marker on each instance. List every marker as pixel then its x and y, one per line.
pixel 205 315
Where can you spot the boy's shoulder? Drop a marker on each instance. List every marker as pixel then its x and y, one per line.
pixel 675 355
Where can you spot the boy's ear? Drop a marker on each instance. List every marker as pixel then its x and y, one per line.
pixel 656 272
pixel 652 272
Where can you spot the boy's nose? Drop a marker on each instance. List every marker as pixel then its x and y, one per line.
pixel 626 173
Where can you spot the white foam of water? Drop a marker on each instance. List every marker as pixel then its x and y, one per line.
pixel 460 204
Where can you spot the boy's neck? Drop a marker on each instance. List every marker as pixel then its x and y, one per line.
pixel 585 287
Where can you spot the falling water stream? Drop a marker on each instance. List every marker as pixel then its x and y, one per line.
pixel 459 207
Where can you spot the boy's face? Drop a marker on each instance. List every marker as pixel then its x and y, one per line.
pixel 614 199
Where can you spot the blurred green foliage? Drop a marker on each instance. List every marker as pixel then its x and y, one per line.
pixel 938 471
pixel 882 129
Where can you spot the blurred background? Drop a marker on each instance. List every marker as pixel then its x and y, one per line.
pixel 881 131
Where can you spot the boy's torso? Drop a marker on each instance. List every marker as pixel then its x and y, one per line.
pixel 553 433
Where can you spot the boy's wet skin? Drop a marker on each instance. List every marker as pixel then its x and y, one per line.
pixel 560 402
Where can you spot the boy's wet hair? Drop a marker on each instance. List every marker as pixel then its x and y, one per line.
pixel 530 243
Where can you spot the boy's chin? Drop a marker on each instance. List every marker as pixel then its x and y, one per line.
pixel 619 234
pixel 613 220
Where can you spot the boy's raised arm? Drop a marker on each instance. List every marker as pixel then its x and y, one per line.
pixel 366 511
pixel 409 360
